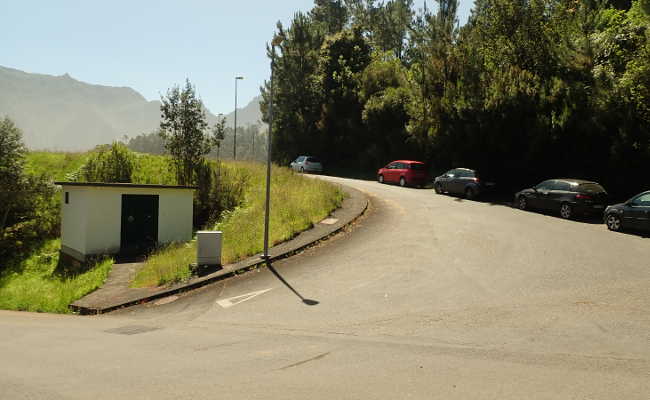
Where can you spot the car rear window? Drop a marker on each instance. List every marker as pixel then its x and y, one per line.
pixel 591 188
pixel 313 159
pixel 417 167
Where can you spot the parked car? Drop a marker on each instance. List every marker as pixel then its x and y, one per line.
pixel 633 214
pixel 404 172
pixel 307 164
pixel 568 196
pixel 462 181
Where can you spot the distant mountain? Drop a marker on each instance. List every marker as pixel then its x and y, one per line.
pixel 249 115
pixel 61 113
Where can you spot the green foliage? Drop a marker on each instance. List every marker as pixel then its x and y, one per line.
pixel 297 203
pixel 55 166
pixel 151 143
pixel 28 205
pixel 40 283
pixel 114 163
pixel 523 91
pixel 183 129
pixel 12 155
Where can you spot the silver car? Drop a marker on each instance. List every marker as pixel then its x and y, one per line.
pixel 307 164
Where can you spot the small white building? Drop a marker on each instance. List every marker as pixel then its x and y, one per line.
pixel 111 218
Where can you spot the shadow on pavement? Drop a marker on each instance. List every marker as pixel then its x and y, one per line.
pixel 308 302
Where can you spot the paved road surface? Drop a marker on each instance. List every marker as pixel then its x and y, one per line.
pixel 428 296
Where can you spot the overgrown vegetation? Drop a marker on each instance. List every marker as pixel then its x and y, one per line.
pixel 525 90
pixel 40 283
pixel 27 200
pixel 297 203
pixel 109 163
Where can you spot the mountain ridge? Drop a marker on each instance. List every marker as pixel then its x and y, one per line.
pixel 63 113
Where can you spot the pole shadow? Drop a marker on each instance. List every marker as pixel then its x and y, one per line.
pixel 309 302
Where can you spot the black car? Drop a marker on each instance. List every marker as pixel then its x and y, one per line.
pixel 569 197
pixel 633 214
pixel 462 181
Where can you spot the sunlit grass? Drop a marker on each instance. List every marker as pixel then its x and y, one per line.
pixel 59 166
pixel 297 203
pixel 34 284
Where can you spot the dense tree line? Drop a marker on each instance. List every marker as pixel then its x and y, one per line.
pixel 525 90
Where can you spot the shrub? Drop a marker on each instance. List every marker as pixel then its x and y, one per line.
pixel 114 163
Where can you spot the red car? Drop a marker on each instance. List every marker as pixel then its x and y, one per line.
pixel 404 172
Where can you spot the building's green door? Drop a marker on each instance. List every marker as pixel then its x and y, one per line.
pixel 139 223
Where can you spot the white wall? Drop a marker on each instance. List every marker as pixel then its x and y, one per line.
pixel 73 218
pixel 104 220
pixel 92 222
pixel 175 216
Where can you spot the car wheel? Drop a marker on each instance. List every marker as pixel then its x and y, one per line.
pixel 380 179
pixel 302 170
pixel 566 211
pixel 402 182
pixel 522 203
pixel 470 193
pixel 437 188
pixel 613 222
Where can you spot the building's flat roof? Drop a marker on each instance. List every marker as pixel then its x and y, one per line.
pixel 123 185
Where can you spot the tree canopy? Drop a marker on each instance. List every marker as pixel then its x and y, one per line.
pixel 524 90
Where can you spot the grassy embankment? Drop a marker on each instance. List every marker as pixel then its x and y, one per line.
pixel 297 202
pixel 36 282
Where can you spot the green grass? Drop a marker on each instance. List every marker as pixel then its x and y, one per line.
pixel 297 203
pixel 35 283
pixel 57 166
pixel 153 169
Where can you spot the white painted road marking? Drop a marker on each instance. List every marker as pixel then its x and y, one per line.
pixel 225 303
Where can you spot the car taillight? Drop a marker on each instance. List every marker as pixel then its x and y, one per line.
pixel 476 180
pixel 581 196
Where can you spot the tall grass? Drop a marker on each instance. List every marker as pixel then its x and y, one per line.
pixel 297 203
pixel 38 283
pixel 148 169
pixel 56 166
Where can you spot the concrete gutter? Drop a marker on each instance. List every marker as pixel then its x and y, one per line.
pixel 115 293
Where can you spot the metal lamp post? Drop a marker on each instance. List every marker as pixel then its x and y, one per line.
pixel 275 42
pixel 234 146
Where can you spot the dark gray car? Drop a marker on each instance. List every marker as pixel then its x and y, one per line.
pixel 568 196
pixel 634 214
pixel 462 181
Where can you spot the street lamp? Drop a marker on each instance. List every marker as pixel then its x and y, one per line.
pixel 234 146
pixel 275 42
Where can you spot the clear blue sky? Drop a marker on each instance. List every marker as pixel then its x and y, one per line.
pixel 151 45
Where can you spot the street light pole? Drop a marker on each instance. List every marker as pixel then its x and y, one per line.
pixel 234 146
pixel 276 41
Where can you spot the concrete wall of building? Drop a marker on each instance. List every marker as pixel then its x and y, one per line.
pixel 73 218
pixel 91 222
pixel 175 214
pixel 104 220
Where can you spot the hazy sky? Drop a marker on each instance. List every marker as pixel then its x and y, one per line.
pixel 151 45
